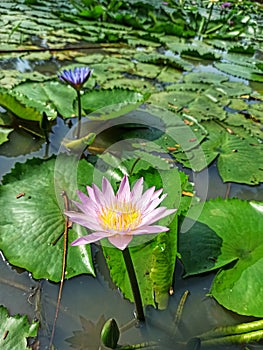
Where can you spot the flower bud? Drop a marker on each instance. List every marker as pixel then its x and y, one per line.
pixel 110 334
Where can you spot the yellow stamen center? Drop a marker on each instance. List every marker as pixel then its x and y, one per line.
pixel 120 217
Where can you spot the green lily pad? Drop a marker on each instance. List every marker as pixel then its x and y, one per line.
pixel 241 71
pixel 205 107
pixel 32 219
pixel 205 77
pixel 239 158
pixel 49 97
pixel 234 89
pixel 12 103
pixel 15 330
pixel 174 100
pixel 252 125
pixel 96 99
pixel 228 235
pixel 141 85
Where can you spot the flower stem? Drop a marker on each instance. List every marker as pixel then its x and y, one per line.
pixel 134 284
pixel 79 114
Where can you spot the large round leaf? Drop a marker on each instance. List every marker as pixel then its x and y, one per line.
pixel 32 219
pixel 228 234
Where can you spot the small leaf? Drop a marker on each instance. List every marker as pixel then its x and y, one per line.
pixel 4 132
pixel 15 330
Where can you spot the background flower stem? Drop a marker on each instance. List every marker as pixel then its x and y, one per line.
pixel 79 114
pixel 134 284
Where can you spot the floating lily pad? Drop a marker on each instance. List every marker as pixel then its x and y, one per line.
pixel 49 97
pixel 174 100
pixel 248 72
pixel 141 85
pixel 15 330
pixel 205 107
pixel 32 219
pixel 205 77
pixel 239 158
pixel 21 110
pixel 228 235
pixel 96 99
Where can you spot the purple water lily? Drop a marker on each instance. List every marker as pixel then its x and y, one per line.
pixel 225 5
pixel 77 77
pixel 119 217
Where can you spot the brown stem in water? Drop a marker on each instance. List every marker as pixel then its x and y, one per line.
pixel 64 261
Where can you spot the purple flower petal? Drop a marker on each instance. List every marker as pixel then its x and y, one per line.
pixel 119 217
pixel 124 194
pixel 86 239
pixel 83 220
pixel 76 78
pixel 156 215
pixel 120 241
pixel 136 192
pixel 107 191
pixel 150 229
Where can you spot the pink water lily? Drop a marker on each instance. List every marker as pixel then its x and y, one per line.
pixel 119 217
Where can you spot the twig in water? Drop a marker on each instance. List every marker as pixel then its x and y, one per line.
pixel 180 307
pixel 228 188
pixel 64 261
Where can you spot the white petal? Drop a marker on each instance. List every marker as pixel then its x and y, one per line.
pixel 98 195
pixel 91 193
pixel 157 194
pixel 89 208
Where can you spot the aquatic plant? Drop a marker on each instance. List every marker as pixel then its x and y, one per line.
pixel 120 217
pixel 76 78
